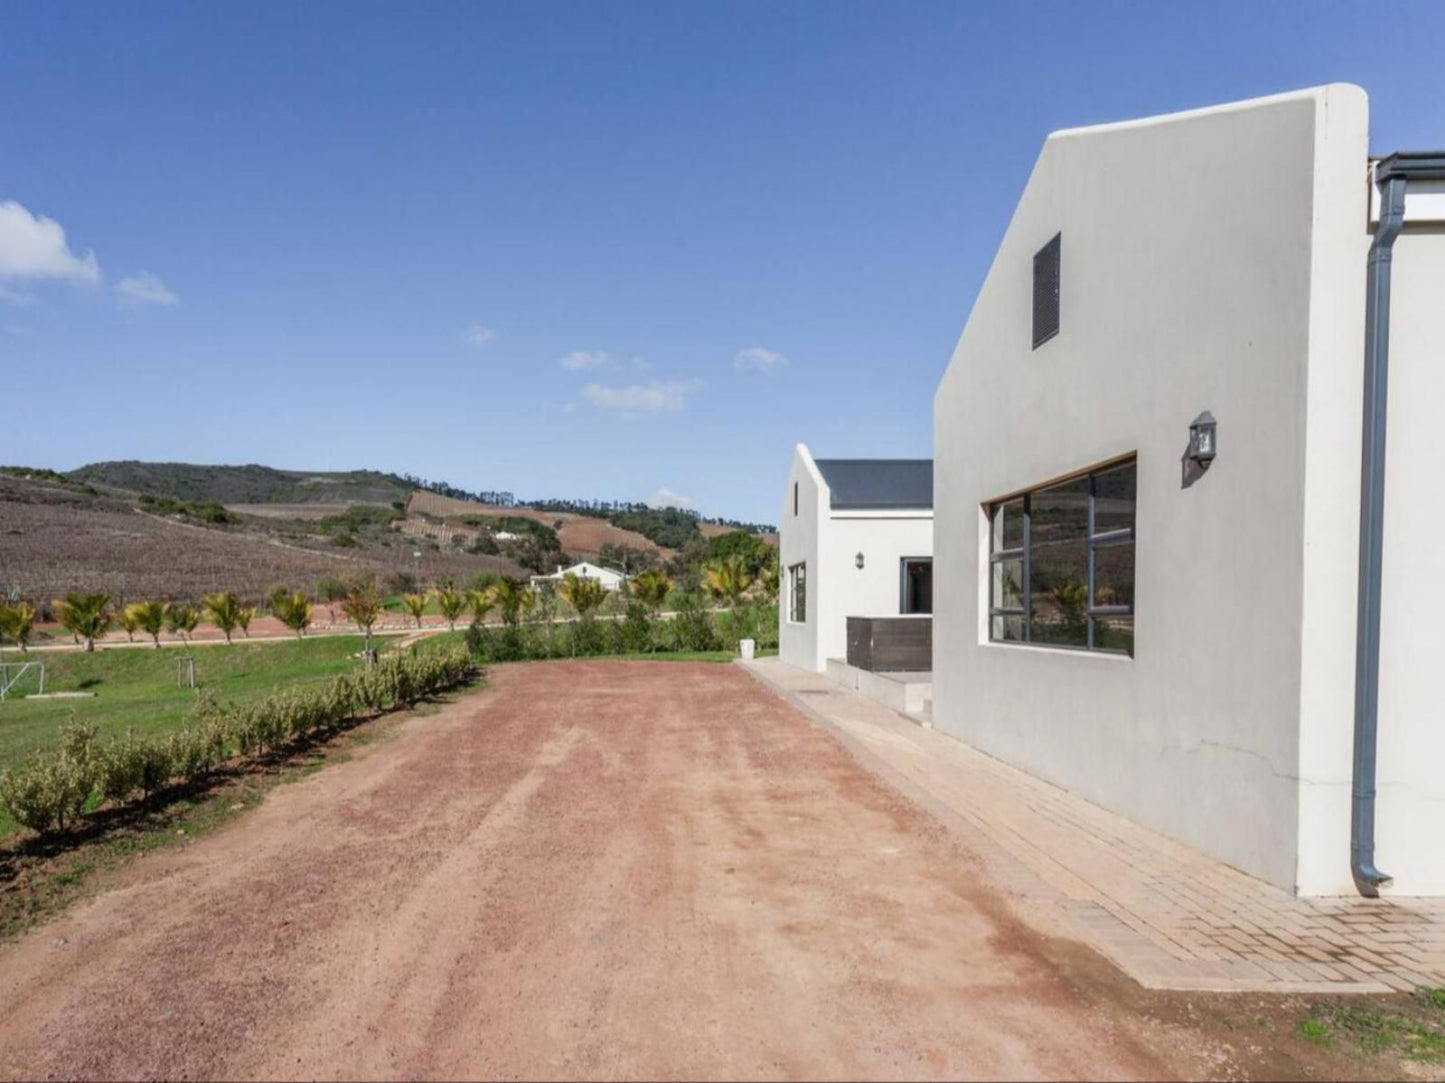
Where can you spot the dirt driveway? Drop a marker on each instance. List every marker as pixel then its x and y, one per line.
pixel 596 869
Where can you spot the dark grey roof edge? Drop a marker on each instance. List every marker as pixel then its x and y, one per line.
pixel 878 484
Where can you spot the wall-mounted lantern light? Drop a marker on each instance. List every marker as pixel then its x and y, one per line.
pixel 1203 442
pixel 858 562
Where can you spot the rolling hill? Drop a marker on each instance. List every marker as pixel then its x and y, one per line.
pixel 580 535
pixel 57 537
pixel 172 530
pixel 251 484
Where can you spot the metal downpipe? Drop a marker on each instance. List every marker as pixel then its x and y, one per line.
pixel 1368 879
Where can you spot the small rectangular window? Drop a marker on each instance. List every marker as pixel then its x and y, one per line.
pixel 795 498
pixel 798 593
pixel 1061 563
pixel 1047 270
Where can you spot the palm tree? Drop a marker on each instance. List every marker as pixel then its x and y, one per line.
pixel 294 611
pixel 182 619
pixel 150 617
pixel 415 605
pixel 768 577
pixel 363 607
pixel 651 589
pixel 18 622
pixel 728 578
pixel 225 610
pixel 128 621
pixel 451 602
pixel 244 616
pixel 509 593
pixel 85 616
pixel 481 602
pixel 582 594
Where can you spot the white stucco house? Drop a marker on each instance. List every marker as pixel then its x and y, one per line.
pixel 1165 622
pixel 610 578
pixel 855 540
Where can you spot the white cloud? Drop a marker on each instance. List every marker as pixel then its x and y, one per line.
pixel 759 359
pixel 34 247
pixel 666 498
pixel 144 289
pixel 585 360
pixel 658 395
pixel 478 337
pixel 18 298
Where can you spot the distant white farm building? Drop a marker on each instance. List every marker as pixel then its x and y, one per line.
pixel 610 578
pixel 506 536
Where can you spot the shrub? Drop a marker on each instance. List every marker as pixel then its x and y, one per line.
pixel 637 628
pixel 692 626
pixel 121 767
pixel 52 789
pixel 28 795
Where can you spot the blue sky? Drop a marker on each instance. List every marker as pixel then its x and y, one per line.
pixel 567 249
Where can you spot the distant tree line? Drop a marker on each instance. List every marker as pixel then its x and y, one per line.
pixel 442 488
pixel 668 521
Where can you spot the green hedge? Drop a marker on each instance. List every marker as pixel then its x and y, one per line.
pixel 50 792
pixel 692 627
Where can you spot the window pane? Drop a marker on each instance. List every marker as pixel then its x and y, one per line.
pixel 1114 634
pixel 1114 499
pixel 1008 629
pixel 798 590
pixel 1008 584
pixel 1114 574
pixel 1008 525
pixel 1060 512
pixel 1060 592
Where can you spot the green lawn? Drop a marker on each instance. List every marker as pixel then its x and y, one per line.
pixel 135 687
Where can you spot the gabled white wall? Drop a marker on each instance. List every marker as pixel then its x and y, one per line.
pixel 830 543
pixel 1201 254
pixel 875 589
pixel 798 644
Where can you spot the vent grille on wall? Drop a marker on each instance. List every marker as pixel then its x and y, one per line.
pixel 1046 291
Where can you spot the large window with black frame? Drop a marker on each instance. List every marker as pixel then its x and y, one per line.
pixel 1061 563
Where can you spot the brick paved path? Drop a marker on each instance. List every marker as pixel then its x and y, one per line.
pixel 1167 915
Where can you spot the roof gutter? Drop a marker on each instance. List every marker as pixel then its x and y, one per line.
pixel 1393 176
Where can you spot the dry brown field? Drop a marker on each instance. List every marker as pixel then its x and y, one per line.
pixel 581 535
pixel 54 539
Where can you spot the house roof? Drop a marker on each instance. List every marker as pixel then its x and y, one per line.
pixel 582 566
pixel 877 484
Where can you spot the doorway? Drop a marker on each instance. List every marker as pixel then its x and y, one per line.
pixel 916 594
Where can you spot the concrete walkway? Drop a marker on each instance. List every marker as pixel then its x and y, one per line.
pixel 1168 916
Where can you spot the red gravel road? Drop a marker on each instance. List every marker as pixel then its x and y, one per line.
pixel 595 869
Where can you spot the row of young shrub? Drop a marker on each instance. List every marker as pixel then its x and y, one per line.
pixel 692 628
pixel 51 791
